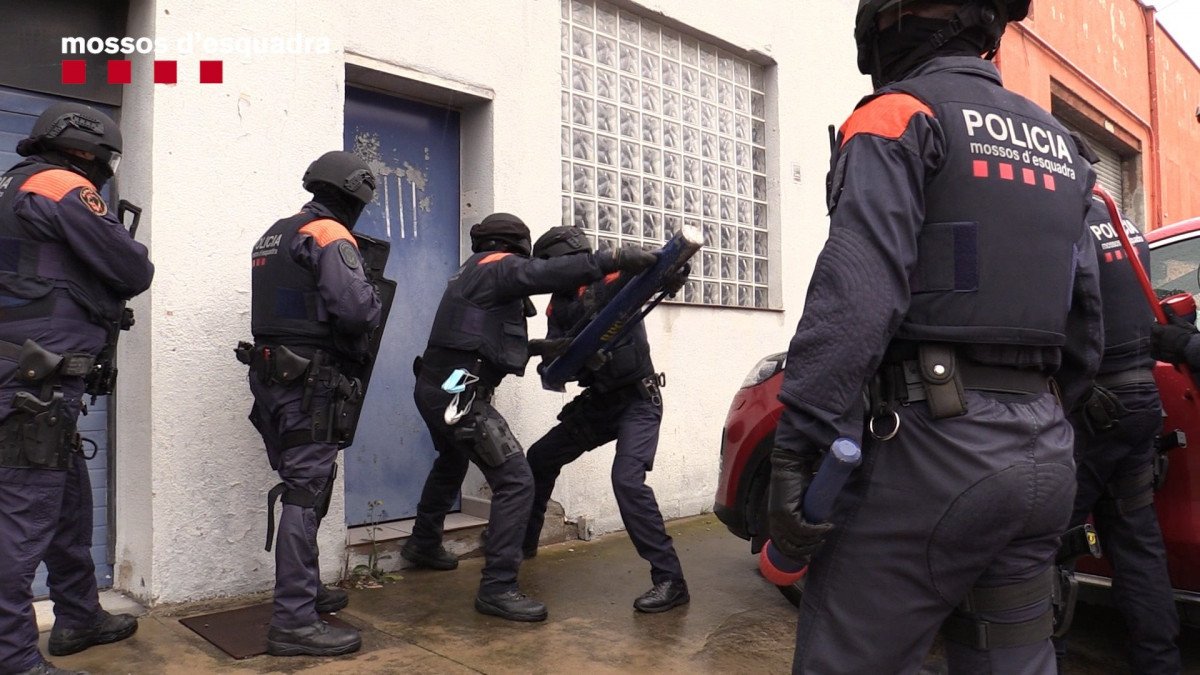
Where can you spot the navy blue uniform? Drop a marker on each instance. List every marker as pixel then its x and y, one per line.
pixel 47 514
pixel 616 405
pixel 1115 465
pixel 480 326
pixel 310 294
pixel 957 218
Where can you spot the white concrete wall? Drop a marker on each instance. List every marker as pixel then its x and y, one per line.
pixel 226 163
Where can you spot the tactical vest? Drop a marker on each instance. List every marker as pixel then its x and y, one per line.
pixel 32 270
pixel 998 249
pixel 1127 313
pixel 497 333
pixel 286 306
pixel 629 361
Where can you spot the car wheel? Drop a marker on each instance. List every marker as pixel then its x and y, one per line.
pixel 792 592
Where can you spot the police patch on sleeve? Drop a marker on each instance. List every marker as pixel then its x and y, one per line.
pixel 349 254
pixel 93 200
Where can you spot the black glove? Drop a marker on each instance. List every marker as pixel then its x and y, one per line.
pixel 677 281
pixel 1169 343
pixel 796 538
pixel 549 349
pixel 627 259
pixel 1101 409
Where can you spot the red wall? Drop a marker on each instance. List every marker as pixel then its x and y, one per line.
pixel 1179 130
pixel 1140 90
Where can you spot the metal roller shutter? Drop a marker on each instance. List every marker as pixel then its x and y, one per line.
pixel 1108 172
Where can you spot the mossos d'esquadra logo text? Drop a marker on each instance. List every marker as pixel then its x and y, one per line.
pixel 1025 142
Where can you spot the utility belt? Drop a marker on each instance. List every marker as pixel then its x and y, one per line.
pixel 1125 377
pixel 35 364
pixel 939 377
pixel 648 388
pixel 40 432
pixel 277 364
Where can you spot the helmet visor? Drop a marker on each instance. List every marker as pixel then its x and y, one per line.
pixel 114 160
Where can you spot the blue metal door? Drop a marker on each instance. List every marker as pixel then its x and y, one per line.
pixel 413 149
pixel 18 111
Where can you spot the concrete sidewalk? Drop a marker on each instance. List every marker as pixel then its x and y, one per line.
pixel 426 622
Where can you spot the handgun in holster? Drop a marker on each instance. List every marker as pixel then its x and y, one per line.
pixel 332 423
pixel 47 432
pixel 489 438
pixel 1076 543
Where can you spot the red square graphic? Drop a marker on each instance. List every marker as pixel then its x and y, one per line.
pixel 1030 179
pixel 1006 171
pixel 981 168
pixel 1048 181
pixel 1108 257
pixel 120 72
pixel 165 72
pixel 211 72
pixel 1120 254
pixel 74 72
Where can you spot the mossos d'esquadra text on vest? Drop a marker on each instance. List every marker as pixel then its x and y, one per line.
pixel 267 244
pixel 1023 142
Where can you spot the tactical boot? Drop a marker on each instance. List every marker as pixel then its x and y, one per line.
pixel 434 559
pixel 664 596
pixel 512 605
pixel 529 551
pixel 318 639
pixel 47 668
pixel 331 599
pixel 105 629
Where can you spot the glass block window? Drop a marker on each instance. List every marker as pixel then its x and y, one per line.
pixel 662 130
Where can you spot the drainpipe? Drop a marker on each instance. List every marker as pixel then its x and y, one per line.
pixel 1156 198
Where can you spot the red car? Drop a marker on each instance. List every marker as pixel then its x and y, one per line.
pixel 1175 267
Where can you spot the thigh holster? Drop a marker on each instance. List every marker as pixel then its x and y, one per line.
pixel 318 501
pixel 965 627
pixel 487 436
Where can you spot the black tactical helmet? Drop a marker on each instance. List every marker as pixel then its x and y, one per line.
pixel 74 126
pixel 500 228
pixel 865 22
pixel 561 240
pixel 344 171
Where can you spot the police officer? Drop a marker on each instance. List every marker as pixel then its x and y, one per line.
pixel 480 328
pixel 1116 425
pixel 957 278
pixel 622 402
pixel 69 266
pixel 312 312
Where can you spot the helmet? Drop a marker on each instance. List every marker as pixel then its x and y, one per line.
pixel 74 126
pixel 344 171
pixel 500 228
pixel 869 10
pixel 561 240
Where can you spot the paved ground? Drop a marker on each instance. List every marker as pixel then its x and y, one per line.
pixel 425 623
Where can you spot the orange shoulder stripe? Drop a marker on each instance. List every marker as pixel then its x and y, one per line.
pixel 887 116
pixel 55 183
pixel 611 277
pixel 491 258
pixel 326 231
